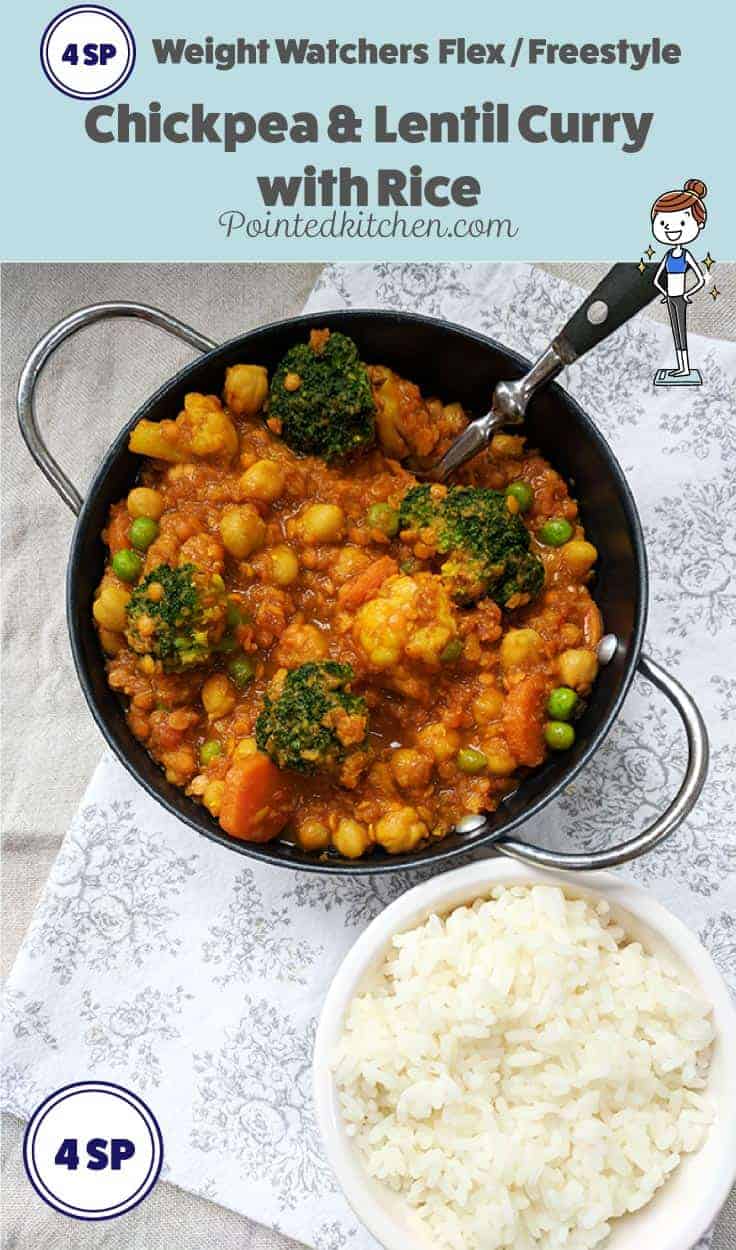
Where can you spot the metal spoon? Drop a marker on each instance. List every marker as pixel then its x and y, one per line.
pixel 623 292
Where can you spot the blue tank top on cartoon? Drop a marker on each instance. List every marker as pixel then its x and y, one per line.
pixel 676 264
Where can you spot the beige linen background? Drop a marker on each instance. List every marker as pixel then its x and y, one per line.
pixel 50 744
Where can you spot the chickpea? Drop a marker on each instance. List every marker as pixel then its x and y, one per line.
pixel 322 523
pixel 350 560
pixel 488 706
pixel 244 748
pixel 292 382
pixel 441 743
pixel 109 608
pixel 351 838
pixel 242 530
pixel 454 417
pixel 218 696
pixel 412 769
pixel 499 760
pixel 212 797
pixel 507 445
pixel 521 648
pixel 400 830
pixel 570 635
pixel 313 835
pixel 111 642
pixel 246 388
pixel 579 556
pixel 144 501
pixel 283 565
pixel 183 717
pixel 577 668
pixel 264 480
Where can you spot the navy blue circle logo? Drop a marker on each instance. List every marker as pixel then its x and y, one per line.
pixel 93 1150
pixel 87 51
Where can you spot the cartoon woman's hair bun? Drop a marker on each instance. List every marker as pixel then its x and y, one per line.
pixel 690 197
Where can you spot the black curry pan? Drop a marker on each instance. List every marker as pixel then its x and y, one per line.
pixel 456 364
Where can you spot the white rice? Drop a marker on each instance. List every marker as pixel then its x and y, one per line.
pixel 522 1073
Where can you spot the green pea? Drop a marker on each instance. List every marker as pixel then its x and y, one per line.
pixel 241 670
pixel 209 751
pixel 555 533
pixel 562 703
pixel 522 493
pixel 127 565
pixel 452 651
pixel 471 761
pixel 142 532
pixel 381 516
pixel 558 735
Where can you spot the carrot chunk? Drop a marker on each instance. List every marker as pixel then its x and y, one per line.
pixel 365 584
pixel 523 719
pixel 257 800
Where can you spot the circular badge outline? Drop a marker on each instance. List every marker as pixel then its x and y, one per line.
pixel 125 1095
pixel 122 26
pixel 69 1207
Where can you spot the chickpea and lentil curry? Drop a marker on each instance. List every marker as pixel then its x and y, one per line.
pixel 314 645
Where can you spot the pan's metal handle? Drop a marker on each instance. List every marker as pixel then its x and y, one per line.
pixel 45 348
pixel 664 825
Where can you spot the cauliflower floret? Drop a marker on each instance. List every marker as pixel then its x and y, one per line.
pixel 202 429
pixel 411 618
pixel 403 420
pixel 382 624
pixel 400 830
pixel 210 429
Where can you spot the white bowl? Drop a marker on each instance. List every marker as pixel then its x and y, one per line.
pixel 686 1205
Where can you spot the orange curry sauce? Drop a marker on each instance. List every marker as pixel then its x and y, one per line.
pixel 229 497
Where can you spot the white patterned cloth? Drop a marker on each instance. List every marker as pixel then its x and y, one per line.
pixel 159 960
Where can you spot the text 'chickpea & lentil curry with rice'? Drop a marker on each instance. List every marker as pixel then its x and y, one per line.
pixel 313 644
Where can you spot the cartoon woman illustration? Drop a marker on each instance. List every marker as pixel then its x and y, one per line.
pixel 677 219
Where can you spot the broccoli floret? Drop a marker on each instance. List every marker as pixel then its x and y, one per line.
pixel 523 579
pixel 487 546
pixel 418 509
pixel 320 399
pixel 314 720
pixel 177 615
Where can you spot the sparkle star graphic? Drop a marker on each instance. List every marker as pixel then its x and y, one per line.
pixel 649 252
pixel 641 266
pixel 714 292
pixel 709 262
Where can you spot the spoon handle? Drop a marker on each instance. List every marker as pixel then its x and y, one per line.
pixel 623 292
